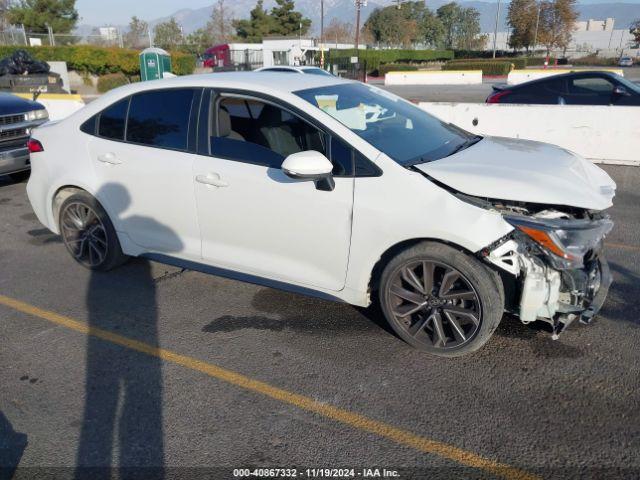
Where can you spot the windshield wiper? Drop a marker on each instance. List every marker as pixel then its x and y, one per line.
pixel 466 144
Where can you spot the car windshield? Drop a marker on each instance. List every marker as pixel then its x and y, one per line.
pixel 404 132
pixel 634 87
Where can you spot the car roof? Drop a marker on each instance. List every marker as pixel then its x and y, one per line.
pixel 279 81
pixel 563 76
pixel 271 83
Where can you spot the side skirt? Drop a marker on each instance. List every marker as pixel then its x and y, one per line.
pixel 242 277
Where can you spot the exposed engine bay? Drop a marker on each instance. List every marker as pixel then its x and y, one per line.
pixel 554 261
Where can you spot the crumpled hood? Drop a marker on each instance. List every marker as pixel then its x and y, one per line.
pixel 527 171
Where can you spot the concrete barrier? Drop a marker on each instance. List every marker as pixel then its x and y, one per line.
pixel 434 77
pixel 604 134
pixel 59 105
pixel 527 74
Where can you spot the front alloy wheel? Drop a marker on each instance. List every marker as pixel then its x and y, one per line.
pixel 440 299
pixel 435 304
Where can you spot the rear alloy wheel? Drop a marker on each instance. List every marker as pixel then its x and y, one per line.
pixel 88 233
pixel 441 300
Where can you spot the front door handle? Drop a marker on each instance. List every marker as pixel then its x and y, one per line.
pixel 211 179
pixel 109 158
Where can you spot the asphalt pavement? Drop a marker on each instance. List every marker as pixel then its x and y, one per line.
pixel 174 373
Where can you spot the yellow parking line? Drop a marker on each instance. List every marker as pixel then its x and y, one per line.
pixel 346 417
pixel 623 246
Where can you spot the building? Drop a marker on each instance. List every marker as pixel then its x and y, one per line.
pixel 109 34
pixel 590 36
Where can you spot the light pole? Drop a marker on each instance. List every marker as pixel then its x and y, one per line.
pixel 495 32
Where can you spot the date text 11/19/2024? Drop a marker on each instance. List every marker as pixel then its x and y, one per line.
pixel 315 473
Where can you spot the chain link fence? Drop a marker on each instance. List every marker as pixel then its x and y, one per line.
pixel 18 35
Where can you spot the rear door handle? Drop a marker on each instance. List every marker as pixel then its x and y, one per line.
pixel 211 179
pixel 109 158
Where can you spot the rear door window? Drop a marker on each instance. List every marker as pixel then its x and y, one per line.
pixel 113 119
pixel 160 118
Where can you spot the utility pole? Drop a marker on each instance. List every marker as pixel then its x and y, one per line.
pixel 495 32
pixel 359 5
pixel 321 33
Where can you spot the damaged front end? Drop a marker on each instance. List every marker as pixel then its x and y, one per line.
pixel 553 263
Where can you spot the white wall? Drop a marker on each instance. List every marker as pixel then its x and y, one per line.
pixel 601 133
pixel 527 74
pixel 434 77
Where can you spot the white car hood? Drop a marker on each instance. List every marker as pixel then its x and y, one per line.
pixel 527 171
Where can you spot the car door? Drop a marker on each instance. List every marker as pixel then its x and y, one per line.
pixel 141 157
pixel 255 219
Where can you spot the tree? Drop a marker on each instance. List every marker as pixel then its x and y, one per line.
pixel 338 32
pixel 468 30
pixel 449 15
pixel 281 20
pixel 634 29
pixel 4 13
pixel 557 22
pixel 168 34
pixel 256 27
pixel 461 27
pixel 433 30
pixel 137 35
pixel 522 17
pixel 220 25
pixel 35 15
pixel 287 21
pixel 412 23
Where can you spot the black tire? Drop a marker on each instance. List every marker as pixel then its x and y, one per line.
pixel 451 322
pixel 20 177
pixel 97 234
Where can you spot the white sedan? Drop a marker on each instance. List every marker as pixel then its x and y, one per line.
pixel 308 70
pixel 331 188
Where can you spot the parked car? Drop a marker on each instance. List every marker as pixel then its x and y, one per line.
pixel 578 88
pixel 626 62
pixel 17 117
pixel 332 188
pixel 309 70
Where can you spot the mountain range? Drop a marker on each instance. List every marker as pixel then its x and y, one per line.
pixel 344 10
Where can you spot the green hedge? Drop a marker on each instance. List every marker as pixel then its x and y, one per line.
pixel 110 81
pixel 396 67
pixel 488 68
pixel 375 58
pixel 100 60
pixel 518 62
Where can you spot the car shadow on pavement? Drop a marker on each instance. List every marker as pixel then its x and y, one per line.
pixel 626 286
pixel 12 446
pixel 122 426
pixel 289 311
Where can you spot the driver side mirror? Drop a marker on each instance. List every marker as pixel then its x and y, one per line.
pixel 310 165
pixel 620 91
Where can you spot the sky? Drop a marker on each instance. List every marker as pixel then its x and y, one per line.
pixel 119 12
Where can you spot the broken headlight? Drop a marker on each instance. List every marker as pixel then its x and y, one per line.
pixel 565 241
